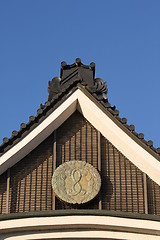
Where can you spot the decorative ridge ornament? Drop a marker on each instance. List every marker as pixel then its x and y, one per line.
pixel 77 63
pixel 77 71
pixel 76 182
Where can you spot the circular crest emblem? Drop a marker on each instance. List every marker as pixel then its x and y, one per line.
pixel 76 182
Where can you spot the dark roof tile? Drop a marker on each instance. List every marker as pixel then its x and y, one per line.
pixel 106 104
pixel 124 120
pixel 154 149
pixel 23 126
pixel 131 127
pixel 150 143
pixel 14 133
pixel 141 136
pixel 31 118
pixel 47 104
pixel 5 140
pixel 116 112
pixel 39 111
pixel 158 150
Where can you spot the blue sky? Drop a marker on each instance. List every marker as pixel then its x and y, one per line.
pixel 121 37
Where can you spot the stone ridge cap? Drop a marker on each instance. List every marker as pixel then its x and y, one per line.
pixel 77 63
pixel 77 212
pixel 98 90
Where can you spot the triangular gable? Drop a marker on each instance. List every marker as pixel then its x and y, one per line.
pixel 79 98
pixel 100 120
pixel 76 139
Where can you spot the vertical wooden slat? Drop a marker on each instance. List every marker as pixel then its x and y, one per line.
pixel 145 193
pixel 99 164
pixel 120 179
pixel 8 185
pixel 137 192
pixel 124 182
pixel 131 183
pixel 114 178
pixel 54 167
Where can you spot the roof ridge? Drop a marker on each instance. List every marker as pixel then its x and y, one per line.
pixel 77 63
pixel 58 87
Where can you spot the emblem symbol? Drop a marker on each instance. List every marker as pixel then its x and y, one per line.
pixel 76 182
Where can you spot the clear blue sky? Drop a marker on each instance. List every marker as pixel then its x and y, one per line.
pixel 121 37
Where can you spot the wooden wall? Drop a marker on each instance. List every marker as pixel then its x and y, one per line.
pixel 77 140
pixel 3 192
pixel 122 182
pixel 30 187
pixel 153 197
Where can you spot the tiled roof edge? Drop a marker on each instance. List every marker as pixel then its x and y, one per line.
pixel 44 108
pixel 98 90
pixel 123 121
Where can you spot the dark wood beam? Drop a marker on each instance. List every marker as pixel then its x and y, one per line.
pixel 99 165
pixel 145 193
pixel 8 186
pixel 54 167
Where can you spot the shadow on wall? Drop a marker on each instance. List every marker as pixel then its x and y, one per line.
pixel 107 188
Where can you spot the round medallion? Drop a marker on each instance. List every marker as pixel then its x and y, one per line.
pixel 76 182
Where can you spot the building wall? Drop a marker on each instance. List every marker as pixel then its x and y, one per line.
pixel 122 182
pixel 3 192
pixel 153 197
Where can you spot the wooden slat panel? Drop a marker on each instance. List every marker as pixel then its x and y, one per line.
pixel 7 193
pixel 145 193
pixel 112 177
pixel 107 187
pixel 129 187
pixel 134 189
pixel 77 140
pixel 153 197
pixel 140 194
pixel 117 171
pixel 99 163
pixel 122 182
pixel 33 190
pixel 123 198
pixel 122 187
pixel 53 168
pixel 43 185
pixel 31 179
pixel 3 192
